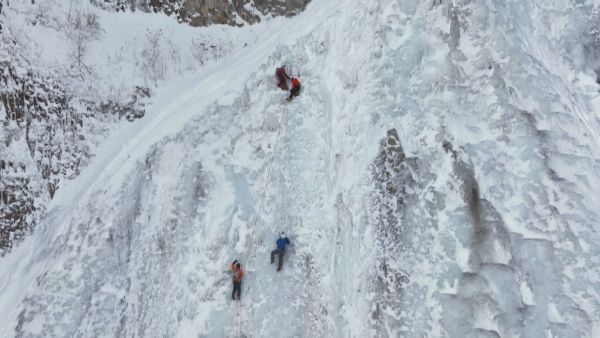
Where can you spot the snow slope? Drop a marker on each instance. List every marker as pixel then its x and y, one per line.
pixel 438 176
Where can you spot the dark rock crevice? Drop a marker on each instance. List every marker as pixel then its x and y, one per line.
pixel 492 271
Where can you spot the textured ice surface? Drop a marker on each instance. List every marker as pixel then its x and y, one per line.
pixel 438 176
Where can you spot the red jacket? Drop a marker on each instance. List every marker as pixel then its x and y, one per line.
pixel 238 273
pixel 295 82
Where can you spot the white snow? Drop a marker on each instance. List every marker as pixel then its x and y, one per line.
pixel 139 243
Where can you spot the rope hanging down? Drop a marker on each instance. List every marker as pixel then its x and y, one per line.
pixel 249 255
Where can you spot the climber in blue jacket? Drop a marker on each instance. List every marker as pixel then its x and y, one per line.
pixel 282 241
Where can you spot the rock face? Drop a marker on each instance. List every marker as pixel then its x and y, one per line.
pixel 395 186
pixel 208 12
pixel 46 137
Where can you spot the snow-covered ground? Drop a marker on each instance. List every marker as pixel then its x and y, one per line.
pixel 438 176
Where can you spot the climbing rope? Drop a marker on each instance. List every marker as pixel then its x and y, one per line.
pixel 249 254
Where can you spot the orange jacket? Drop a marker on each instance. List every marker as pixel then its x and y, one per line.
pixel 238 273
pixel 295 82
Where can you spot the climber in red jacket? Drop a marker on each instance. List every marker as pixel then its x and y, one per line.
pixel 238 275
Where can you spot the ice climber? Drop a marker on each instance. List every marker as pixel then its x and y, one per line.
pixel 295 91
pixel 238 274
pixel 282 241
pixel 282 76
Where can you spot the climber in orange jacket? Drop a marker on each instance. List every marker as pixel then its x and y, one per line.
pixel 295 91
pixel 238 275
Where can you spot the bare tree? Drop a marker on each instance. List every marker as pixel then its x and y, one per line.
pixel 80 29
pixel 154 65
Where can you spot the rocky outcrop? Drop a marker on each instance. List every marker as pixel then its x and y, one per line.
pixel 392 173
pixel 46 135
pixel 208 12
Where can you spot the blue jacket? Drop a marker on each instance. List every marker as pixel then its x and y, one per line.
pixel 282 242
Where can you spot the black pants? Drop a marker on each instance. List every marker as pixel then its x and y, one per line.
pixel 294 92
pixel 279 252
pixel 237 287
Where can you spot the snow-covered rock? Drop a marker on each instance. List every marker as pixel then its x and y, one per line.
pixel 438 176
pixel 210 12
